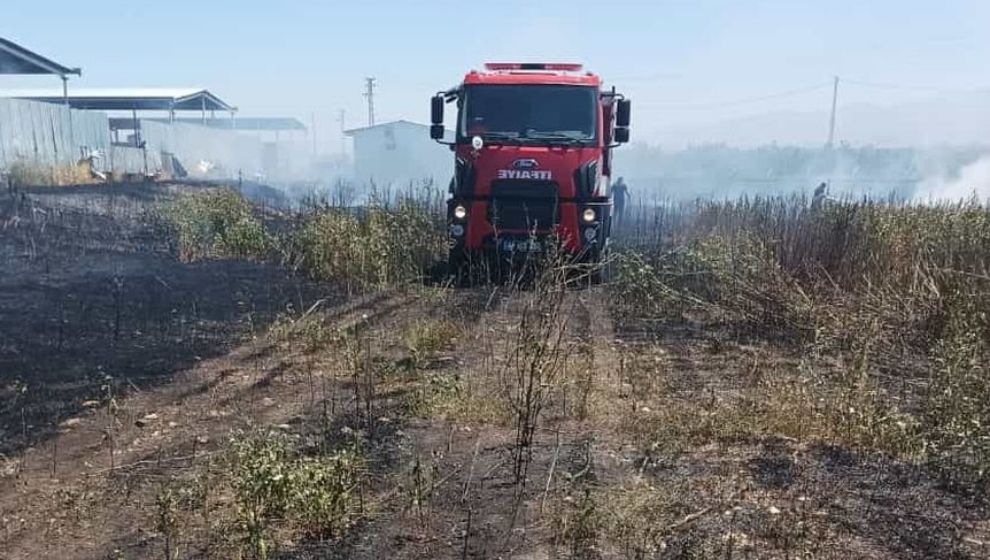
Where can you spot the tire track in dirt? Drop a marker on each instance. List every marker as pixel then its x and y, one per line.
pixel 597 329
pixel 475 509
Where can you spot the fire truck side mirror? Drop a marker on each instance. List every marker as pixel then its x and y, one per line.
pixel 621 134
pixel 436 110
pixel 622 113
pixel 436 132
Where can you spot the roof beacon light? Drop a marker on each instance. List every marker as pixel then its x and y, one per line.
pixel 561 67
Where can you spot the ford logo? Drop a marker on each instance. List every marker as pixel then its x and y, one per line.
pixel 525 164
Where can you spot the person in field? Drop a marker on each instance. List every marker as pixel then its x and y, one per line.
pixel 620 195
pixel 819 197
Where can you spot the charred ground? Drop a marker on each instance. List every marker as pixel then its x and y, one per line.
pixel 92 300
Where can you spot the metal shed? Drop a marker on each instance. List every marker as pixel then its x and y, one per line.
pixel 400 151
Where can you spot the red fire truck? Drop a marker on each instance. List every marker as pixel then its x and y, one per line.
pixel 533 158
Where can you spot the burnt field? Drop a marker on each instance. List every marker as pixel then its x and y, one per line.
pixel 93 300
pixel 185 375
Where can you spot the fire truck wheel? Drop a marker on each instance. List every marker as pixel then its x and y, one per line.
pixel 601 272
pixel 457 268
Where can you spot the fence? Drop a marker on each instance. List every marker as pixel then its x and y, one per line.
pixel 50 134
pixel 201 150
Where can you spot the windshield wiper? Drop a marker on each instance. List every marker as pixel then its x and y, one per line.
pixel 504 137
pixel 561 137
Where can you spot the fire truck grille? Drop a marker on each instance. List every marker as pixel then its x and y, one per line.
pixel 523 205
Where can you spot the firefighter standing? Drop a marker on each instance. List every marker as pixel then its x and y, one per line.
pixel 620 192
pixel 819 197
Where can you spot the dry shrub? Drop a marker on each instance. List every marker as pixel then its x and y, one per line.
pixel 275 488
pixel 378 246
pixel 381 245
pixel 216 223
pixel 854 412
pixel 536 357
pixel 648 285
pixel 424 339
pixel 736 279
pixel 449 396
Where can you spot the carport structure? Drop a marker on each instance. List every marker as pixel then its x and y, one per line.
pixel 15 59
pixel 258 125
pixel 133 100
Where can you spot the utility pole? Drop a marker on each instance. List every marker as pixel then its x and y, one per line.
pixel 312 130
pixel 343 135
pixel 369 92
pixel 831 126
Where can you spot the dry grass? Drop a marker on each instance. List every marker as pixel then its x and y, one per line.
pixel 894 296
pixel 387 243
pixel 757 325
pixel 28 173
pixel 216 223
pixel 758 334
pixel 390 242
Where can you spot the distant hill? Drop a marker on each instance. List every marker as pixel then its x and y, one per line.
pixel 957 119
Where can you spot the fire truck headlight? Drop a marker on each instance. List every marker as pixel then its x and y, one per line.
pixel 590 234
pixel 460 212
pixel 589 215
pixel 456 230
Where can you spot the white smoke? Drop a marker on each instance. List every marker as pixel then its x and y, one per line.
pixel 973 180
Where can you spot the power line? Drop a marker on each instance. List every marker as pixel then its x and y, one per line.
pixel 312 126
pixel 892 86
pixel 655 77
pixel 743 101
pixel 920 88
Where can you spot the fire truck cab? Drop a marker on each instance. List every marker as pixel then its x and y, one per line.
pixel 533 160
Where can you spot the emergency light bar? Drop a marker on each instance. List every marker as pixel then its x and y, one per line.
pixel 563 67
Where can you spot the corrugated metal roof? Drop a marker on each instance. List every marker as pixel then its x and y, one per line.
pixel 240 123
pixel 126 99
pixel 15 59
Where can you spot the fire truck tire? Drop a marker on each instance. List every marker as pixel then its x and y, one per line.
pixel 601 272
pixel 458 268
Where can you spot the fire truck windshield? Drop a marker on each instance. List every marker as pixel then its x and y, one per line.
pixel 530 113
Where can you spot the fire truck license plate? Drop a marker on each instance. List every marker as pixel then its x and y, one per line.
pixel 524 246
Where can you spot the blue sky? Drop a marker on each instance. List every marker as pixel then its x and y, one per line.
pixel 681 61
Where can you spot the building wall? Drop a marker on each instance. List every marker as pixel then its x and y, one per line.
pixel 398 153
